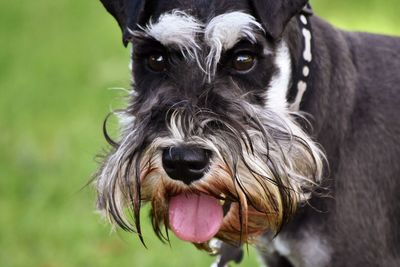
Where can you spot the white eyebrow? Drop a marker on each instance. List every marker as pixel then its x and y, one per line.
pixel 225 31
pixel 177 29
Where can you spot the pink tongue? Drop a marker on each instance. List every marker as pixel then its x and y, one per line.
pixel 195 217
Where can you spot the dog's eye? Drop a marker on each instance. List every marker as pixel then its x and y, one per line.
pixel 243 62
pixel 157 62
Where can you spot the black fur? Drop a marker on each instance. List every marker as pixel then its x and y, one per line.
pixel 275 15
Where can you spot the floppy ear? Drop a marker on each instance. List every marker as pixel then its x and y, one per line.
pixel 126 12
pixel 275 14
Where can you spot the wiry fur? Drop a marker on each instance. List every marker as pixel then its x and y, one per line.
pixel 265 165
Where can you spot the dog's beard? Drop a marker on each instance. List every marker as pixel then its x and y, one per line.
pixel 263 166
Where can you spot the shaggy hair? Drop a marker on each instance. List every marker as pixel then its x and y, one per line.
pixel 263 164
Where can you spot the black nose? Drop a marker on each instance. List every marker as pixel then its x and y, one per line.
pixel 186 163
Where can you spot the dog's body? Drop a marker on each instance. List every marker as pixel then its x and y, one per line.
pixel 347 214
pixel 355 104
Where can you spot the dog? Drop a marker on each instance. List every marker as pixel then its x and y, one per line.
pixel 254 121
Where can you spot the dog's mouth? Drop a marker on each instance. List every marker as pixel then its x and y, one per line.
pixel 195 217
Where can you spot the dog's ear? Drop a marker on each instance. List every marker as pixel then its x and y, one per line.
pixel 275 14
pixel 126 12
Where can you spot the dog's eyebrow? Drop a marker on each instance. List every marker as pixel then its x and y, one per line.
pixel 178 30
pixel 224 31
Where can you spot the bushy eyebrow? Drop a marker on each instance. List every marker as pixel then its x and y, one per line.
pixel 176 29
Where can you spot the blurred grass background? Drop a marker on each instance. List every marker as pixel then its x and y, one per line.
pixel 58 60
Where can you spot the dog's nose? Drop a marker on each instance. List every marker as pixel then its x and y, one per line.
pixel 186 163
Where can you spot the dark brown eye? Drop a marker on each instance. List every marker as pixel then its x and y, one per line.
pixel 243 62
pixel 157 62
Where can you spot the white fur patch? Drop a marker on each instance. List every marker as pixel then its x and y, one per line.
pixel 279 85
pixel 177 29
pixel 315 251
pixel 309 250
pixel 303 19
pixel 307 50
pixel 306 71
pixel 301 89
pixel 224 31
pixel 281 246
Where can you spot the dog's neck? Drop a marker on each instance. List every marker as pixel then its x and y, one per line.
pixel 301 73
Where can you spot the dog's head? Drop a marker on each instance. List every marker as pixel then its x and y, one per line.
pixel 207 138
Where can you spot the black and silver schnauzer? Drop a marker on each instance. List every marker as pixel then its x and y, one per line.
pixel 253 121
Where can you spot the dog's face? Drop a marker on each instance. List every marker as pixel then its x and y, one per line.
pixel 207 138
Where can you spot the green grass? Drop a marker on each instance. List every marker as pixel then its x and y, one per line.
pixel 57 61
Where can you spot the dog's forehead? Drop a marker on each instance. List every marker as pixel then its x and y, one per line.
pixel 203 10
